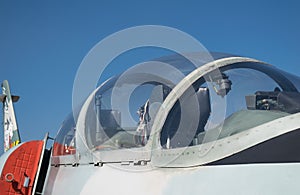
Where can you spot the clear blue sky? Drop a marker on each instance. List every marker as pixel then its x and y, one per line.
pixel 42 43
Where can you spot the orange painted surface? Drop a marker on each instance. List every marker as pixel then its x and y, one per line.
pixel 60 149
pixel 21 164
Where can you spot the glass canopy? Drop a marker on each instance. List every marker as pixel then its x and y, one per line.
pixel 220 103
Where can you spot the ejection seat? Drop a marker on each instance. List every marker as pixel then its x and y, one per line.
pixel 185 111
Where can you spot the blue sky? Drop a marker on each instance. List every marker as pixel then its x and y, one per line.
pixel 43 43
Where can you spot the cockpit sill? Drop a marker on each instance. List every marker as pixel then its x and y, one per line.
pixel 258 122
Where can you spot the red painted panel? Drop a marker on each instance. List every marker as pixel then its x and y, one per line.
pixel 21 165
pixel 59 150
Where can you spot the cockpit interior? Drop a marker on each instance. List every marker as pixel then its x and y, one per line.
pixel 220 103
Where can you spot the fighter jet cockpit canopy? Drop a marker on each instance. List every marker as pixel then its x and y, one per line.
pixel 180 104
